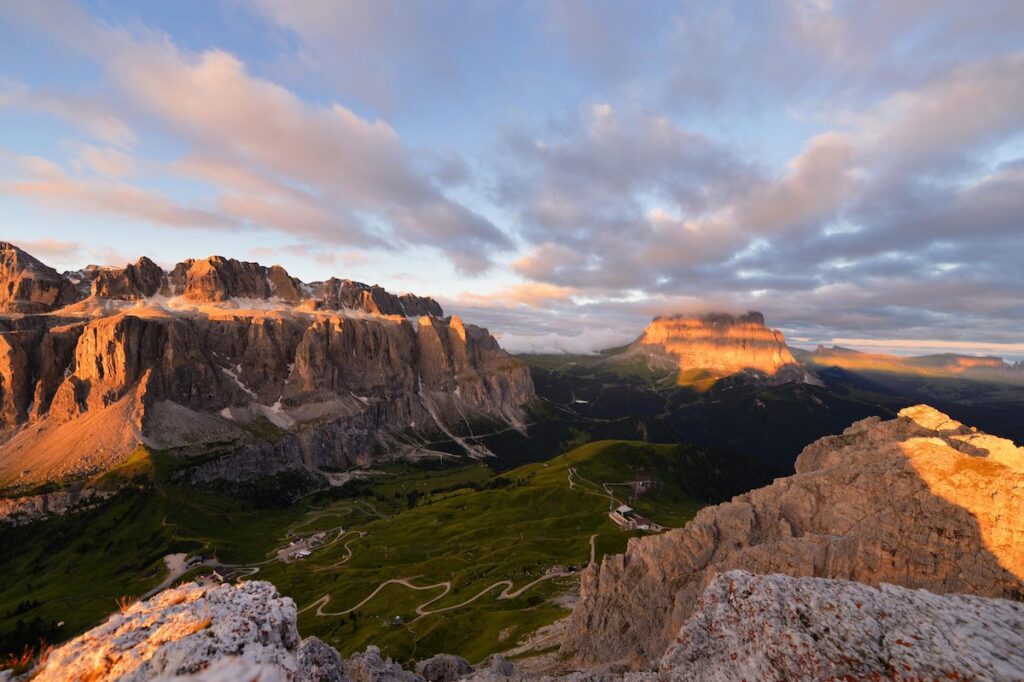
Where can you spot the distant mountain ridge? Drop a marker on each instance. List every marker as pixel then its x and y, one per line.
pixel 988 367
pixel 235 357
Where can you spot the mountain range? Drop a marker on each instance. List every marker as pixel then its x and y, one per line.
pixel 648 512
pixel 219 355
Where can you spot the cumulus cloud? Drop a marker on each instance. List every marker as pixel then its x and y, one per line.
pixel 843 167
pixel 874 216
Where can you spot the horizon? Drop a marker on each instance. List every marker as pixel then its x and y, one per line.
pixel 558 172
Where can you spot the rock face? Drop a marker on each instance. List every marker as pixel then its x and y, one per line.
pixel 720 345
pixel 28 286
pixel 775 628
pixel 21 510
pixel 142 279
pixel 338 294
pixel 216 349
pixel 920 501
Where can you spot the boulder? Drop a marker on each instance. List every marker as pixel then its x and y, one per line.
pixel 443 668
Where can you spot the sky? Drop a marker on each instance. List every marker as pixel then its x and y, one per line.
pixel 557 171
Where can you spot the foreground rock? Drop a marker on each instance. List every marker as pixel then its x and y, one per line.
pixel 768 628
pixel 920 501
pixel 234 356
pixel 244 632
pixel 184 631
pixel 744 627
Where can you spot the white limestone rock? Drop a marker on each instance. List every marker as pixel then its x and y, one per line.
pixel 185 631
pixel 781 628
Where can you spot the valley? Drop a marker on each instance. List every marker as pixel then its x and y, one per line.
pixel 411 554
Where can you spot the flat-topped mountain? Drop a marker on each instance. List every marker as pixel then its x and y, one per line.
pixel 272 372
pixel 717 345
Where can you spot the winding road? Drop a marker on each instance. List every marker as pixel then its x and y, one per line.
pixel 177 567
pixel 421 611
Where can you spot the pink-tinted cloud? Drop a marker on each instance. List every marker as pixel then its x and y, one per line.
pixel 47 183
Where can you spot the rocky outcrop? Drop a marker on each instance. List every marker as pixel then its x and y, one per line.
pixel 183 631
pixel 774 628
pixel 339 294
pixel 142 279
pixel 239 360
pixel 718 345
pixel 229 633
pixel 21 510
pixel 920 501
pixel 28 286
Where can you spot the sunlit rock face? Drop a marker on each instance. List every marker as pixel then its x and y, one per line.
pixel 920 501
pixel 29 286
pixel 719 343
pixel 202 354
pixel 188 630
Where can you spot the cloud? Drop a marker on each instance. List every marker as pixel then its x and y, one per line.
pixel 332 174
pixel 44 249
pixel 388 52
pixel 530 294
pixel 107 161
pixel 318 254
pixel 85 112
pixel 47 183
pixel 904 346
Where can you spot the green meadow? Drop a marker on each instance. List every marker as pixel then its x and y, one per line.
pixel 484 559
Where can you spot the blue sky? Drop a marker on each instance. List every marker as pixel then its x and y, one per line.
pixel 559 171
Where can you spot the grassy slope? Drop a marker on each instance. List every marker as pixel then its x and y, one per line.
pixel 468 526
pixel 475 538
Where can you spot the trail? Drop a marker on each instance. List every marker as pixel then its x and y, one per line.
pixel 598 491
pixel 423 610
pixel 348 551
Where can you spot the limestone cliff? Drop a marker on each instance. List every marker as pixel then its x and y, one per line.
pixel 921 501
pixel 209 353
pixel 29 286
pixel 719 345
